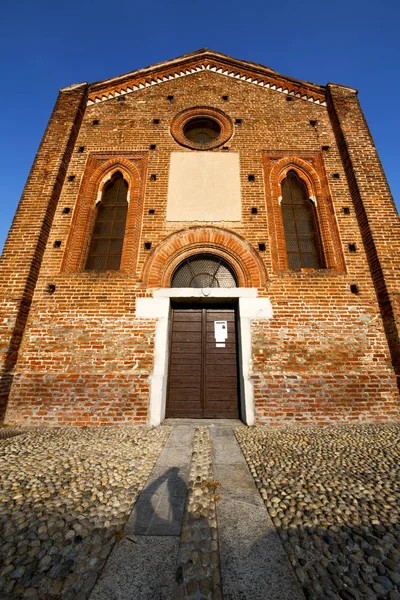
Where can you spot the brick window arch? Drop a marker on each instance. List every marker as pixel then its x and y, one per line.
pixel 300 224
pixel 244 261
pixel 313 192
pixel 108 230
pixel 115 174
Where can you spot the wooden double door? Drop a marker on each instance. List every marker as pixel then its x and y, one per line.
pixel 203 374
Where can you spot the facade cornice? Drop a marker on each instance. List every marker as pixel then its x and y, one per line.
pixel 205 60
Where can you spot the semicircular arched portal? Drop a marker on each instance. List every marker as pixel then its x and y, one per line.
pixel 181 245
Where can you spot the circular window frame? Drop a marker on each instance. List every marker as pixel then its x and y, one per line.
pixel 181 120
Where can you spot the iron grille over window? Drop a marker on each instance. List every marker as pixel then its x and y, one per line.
pixel 204 270
pixel 300 224
pixel 105 247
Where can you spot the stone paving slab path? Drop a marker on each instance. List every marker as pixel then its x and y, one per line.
pixel 254 564
pixel 199 530
pixel 142 566
pixel 235 554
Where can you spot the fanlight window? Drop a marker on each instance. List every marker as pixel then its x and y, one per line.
pixel 300 224
pixel 204 270
pixel 105 248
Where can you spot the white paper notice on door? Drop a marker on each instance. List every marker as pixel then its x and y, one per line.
pixel 220 331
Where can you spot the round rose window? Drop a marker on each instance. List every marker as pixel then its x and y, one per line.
pixel 201 128
pixel 202 131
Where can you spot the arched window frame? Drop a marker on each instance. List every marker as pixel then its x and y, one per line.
pixel 216 260
pixel 99 170
pixel 99 202
pixel 309 167
pixel 312 206
pixel 245 261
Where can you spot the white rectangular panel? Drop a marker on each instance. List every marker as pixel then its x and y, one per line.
pixel 204 186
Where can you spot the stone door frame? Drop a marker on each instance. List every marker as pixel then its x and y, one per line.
pixel 250 308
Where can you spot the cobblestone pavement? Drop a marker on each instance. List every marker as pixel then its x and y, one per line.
pixel 65 494
pixel 198 571
pixel 334 495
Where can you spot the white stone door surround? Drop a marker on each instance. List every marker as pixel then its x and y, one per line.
pixel 159 307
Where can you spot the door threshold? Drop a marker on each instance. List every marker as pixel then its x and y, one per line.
pixel 204 422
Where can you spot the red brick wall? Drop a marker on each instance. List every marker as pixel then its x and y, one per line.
pixel 23 252
pixel 375 209
pixel 324 356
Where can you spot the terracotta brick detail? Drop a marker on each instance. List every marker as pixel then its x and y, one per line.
pixel 179 122
pixel 310 168
pixel 99 170
pixel 375 209
pixel 81 354
pixel 182 244
pixel 23 251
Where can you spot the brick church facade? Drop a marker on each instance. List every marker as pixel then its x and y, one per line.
pixel 202 238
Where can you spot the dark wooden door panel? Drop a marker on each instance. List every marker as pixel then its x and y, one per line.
pixel 182 315
pixel 186 370
pixel 192 348
pixel 215 369
pixel 223 359
pixel 221 387
pixel 202 376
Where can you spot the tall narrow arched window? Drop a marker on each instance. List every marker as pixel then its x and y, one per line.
pixel 105 248
pixel 300 225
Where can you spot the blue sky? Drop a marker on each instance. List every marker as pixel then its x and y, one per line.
pixel 47 45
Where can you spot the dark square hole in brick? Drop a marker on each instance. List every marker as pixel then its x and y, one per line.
pixel 261 247
pixel 325 148
pixel 354 288
pixel 352 248
pixel 336 176
pixel 147 245
pixel 71 178
pixel 151 211
pixel 95 122
pixel 66 210
pixel 51 288
pixel 346 210
pixel 238 121
pixel 251 177
pixel 289 98
pixel 81 149
pixel 156 121
pixel 254 210
pixel 225 98
pixel 170 98
pixel 313 123
pixel 153 177
pixel 226 148
pixel 121 99
pixel 153 146
pixel 57 244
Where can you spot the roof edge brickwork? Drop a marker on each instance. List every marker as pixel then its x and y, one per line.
pixel 205 60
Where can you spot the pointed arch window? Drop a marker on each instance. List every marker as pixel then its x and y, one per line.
pixel 105 247
pixel 303 243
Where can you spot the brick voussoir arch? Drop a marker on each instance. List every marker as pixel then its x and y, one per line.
pixel 305 170
pixel 312 172
pixel 99 170
pixel 164 259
